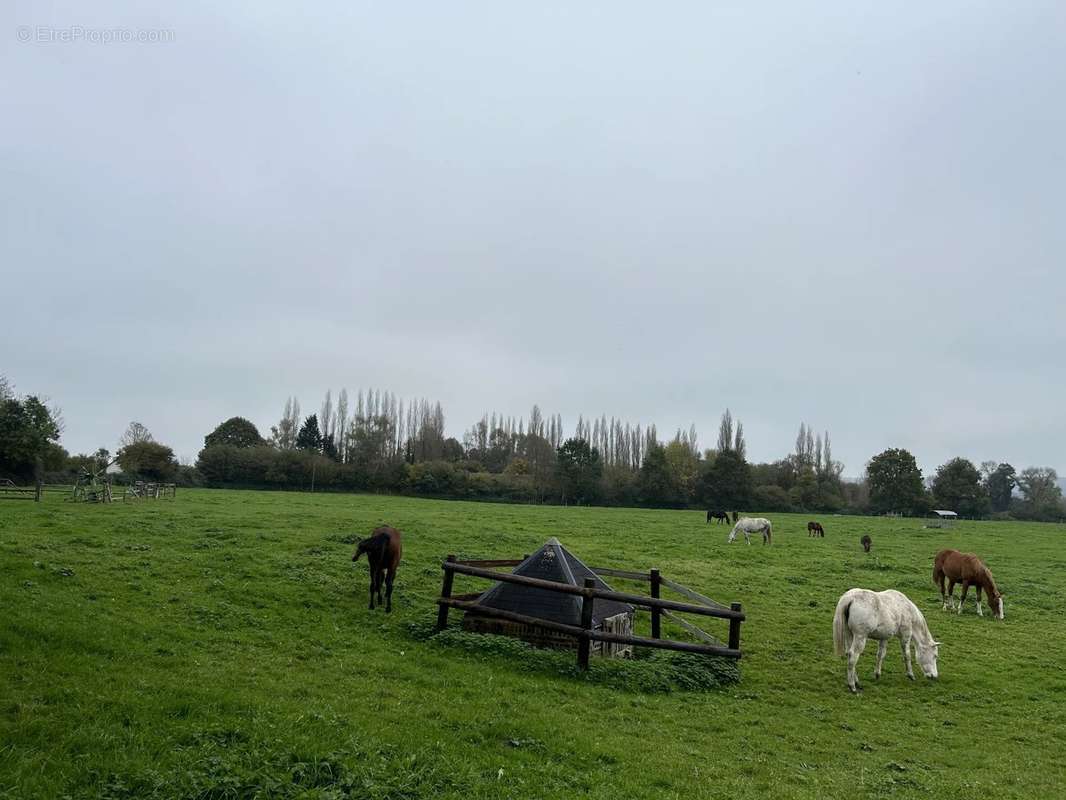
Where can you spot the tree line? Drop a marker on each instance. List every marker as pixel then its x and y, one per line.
pixel 379 442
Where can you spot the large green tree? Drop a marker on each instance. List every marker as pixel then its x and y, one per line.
pixel 1041 495
pixel 999 484
pixel 579 468
pixel 236 431
pixel 726 482
pixel 895 483
pixel 148 460
pixel 957 486
pixel 29 431
pixel 309 437
pixel 655 484
pixel 684 470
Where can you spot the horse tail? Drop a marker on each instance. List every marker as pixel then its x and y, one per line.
pixel 769 532
pixel 841 631
pixel 938 567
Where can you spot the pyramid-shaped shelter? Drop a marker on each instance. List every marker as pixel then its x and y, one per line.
pixel 552 562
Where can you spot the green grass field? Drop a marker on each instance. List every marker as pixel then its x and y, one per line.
pixel 219 646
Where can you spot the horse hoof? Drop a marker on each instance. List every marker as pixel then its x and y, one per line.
pixel 911 677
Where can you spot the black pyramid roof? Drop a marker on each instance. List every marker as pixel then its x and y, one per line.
pixel 552 562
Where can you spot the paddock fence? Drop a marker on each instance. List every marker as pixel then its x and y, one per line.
pixel 10 491
pixel 584 633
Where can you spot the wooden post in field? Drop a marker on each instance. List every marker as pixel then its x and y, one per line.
pixel 656 613
pixel 37 492
pixel 445 591
pixel 734 629
pixel 585 643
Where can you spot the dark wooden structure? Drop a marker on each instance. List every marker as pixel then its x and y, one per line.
pixel 552 562
pixel 9 491
pixel 585 633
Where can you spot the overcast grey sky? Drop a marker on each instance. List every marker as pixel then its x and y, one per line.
pixel 849 214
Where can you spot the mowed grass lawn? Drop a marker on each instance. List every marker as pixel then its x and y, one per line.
pixel 220 646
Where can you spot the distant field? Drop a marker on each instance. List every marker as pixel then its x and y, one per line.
pixel 219 646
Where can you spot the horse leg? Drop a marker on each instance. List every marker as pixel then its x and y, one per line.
pixel 858 644
pixel 882 648
pixel 943 593
pixel 905 645
pixel 389 578
pixel 977 592
pixel 747 537
pixel 951 594
pixel 371 590
pixel 962 599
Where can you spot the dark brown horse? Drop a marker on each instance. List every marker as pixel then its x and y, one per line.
pixel 866 542
pixel 736 517
pixel 969 570
pixel 721 516
pixel 383 549
pixel 815 529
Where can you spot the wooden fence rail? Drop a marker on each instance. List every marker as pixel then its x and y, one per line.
pixel 9 491
pixel 584 633
pixel 601 594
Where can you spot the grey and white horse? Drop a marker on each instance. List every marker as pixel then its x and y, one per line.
pixel 750 525
pixel 862 614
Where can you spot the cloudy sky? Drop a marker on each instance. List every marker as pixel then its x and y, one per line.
pixel 849 214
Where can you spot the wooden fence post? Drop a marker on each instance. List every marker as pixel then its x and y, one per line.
pixel 656 613
pixel 584 643
pixel 37 492
pixel 734 629
pixel 445 591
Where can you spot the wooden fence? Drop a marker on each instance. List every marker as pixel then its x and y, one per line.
pixel 150 491
pixel 585 633
pixel 9 491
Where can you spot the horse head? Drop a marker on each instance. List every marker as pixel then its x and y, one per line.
pixel 369 546
pixel 996 602
pixel 927 656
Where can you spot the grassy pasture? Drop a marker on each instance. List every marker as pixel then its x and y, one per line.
pixel 220 646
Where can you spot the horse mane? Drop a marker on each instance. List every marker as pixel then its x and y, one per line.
pixel 986 573
pixel 921 627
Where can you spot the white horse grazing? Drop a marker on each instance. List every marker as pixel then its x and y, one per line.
pixel 750 525
pixel 862 614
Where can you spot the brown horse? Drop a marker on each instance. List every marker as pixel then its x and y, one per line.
pixel 969 570
pixel 721 516
pixel 383 549
pixel 815 529
pixel 736 517
pixel 866 542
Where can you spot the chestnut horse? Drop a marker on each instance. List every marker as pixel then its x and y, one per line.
pixel 383 550
pixel 815 529
pixel 721 516
pixel 969 570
